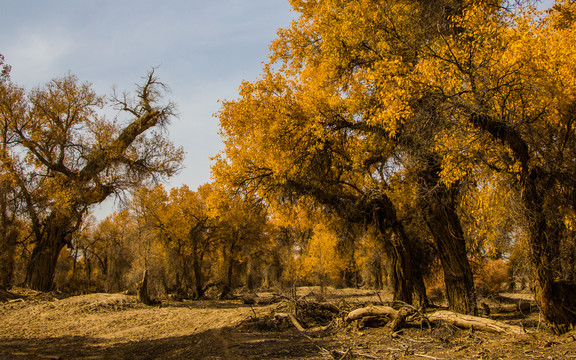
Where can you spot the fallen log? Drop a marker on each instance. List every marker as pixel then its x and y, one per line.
pixel 372 311
pixel 378 313
pixel 399 318
pixel 474 322
pixel 521 306
pixel 254 299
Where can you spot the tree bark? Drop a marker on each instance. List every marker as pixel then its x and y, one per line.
pixel 406 278
pixel 7 251
pixel 439 208
pixel 198 275
pixel 228 283
pixel 143 296
pixel 555 298
pixel 8 240
pixel 446 230
pixel 229 261
pixel 399 249
pixel 42 266
pixel 401 274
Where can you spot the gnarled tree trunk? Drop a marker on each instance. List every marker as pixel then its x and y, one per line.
pixel 198 274
pixel 228 257
pixel 142 291
pixel 7 249
pixel 446 229
pixel 42 265
pixel 400 272
pixel 555 298
pixel 8 239
pixel 542 212
pixel 399 249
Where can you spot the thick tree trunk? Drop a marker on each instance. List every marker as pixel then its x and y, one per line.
pixel 197 262
pixel 251 274
pixel 229 261
pixel 401 268
pixel 554 297
pixel 556 302
pixel 114 269
pixel 227 290
pixel 88 269
pixel 142 288
pixel 8 241
pixel 7 250
pixel 406 278
pixel 421 298
pixel 399 250
pixel 198 276
pixel 42 265
pixel 186 280
pixel 446 229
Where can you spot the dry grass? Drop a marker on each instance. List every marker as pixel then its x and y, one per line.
pixel 115 326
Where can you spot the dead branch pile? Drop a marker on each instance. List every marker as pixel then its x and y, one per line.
pixel 306 316
pixel 312 313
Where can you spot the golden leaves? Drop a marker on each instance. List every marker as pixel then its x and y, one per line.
pixel 320 260
pixel 360 94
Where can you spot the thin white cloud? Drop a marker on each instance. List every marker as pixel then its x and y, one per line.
pixel 35 53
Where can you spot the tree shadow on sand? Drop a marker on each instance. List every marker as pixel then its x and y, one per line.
pixel 224 343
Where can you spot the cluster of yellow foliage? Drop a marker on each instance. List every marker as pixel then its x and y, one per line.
pixel 460 112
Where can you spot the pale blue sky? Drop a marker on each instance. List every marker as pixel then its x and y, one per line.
pixel 204 49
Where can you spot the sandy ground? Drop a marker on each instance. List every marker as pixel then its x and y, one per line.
pixel 115 326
